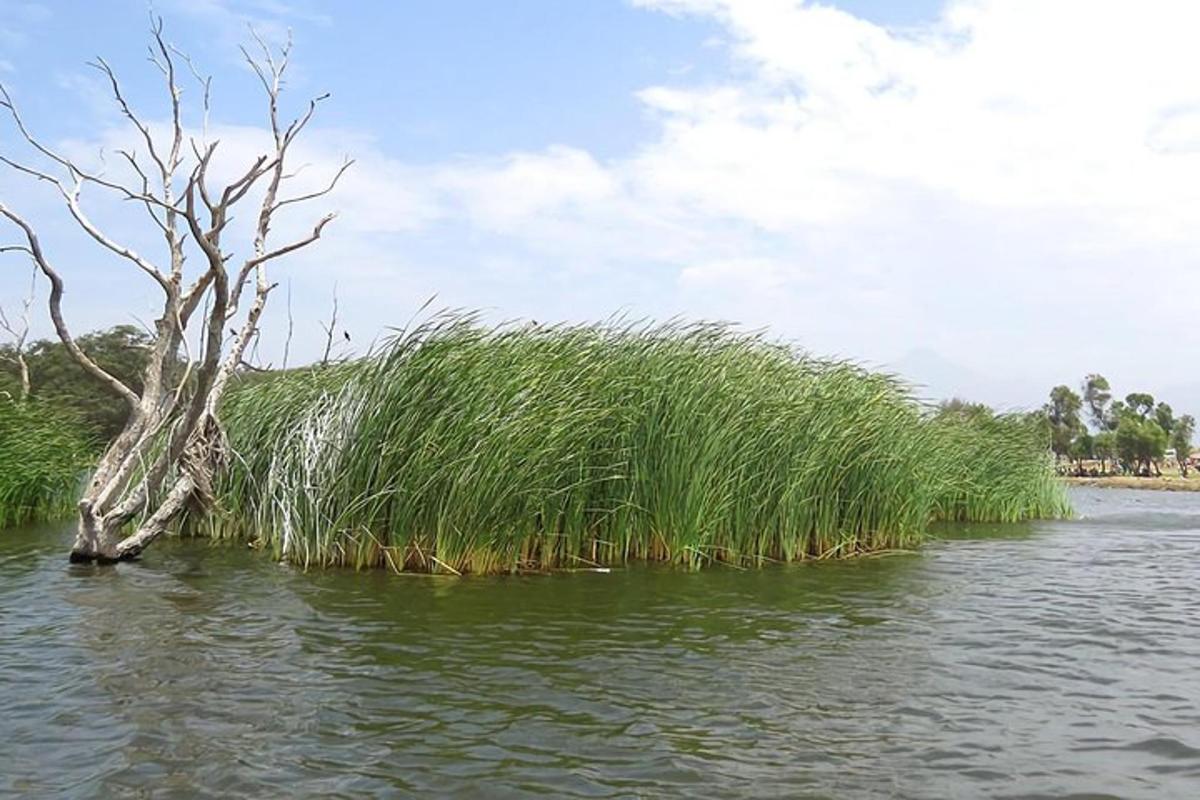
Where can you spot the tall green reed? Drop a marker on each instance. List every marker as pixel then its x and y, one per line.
pixel 462 448
pixel 44 454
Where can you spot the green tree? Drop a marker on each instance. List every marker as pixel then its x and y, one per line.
pixel 1164 415
pixel 1140 403
pixel 956 406
pixel 1116 411
pixel 56 378
pixel 1097 394
pixel 1181 440
pixel 1082 447
pixel 1062 412
pixel 1104 447
pixel 1141 443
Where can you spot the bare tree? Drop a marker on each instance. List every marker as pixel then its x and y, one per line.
pixel 19 330
pixel 330 329
pixel 291 327
pixel 164 460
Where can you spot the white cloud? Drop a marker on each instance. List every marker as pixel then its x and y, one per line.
pixel 1004 103
pixel 754 274
pixel 1077 107
pixel 989 183
pixel 1015 158
pixel 527 185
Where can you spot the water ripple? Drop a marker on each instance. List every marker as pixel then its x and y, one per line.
pixel 1053 660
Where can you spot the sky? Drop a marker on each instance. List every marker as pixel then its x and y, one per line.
pixel 988 196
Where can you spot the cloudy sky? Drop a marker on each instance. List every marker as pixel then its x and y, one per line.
pixel 989 195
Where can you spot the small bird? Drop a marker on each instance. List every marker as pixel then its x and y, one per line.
pixel 346 334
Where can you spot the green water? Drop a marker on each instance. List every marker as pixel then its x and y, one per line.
pixel 1048 660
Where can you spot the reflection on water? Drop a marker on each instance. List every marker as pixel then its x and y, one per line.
pixel 1043 660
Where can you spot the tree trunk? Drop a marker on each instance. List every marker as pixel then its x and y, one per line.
pixel 23 366
pixel 157 523
pixel 99 531
pixel 94 541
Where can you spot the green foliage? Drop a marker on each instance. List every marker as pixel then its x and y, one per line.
pixel 1140 403
pixel 994 468
pixel 44 453
pixel 465 449
pixel 964 408
pixel 10 388
pixel 1116 412
pixel 1062 412
pixel 1164 415
pixel 1181 437
pixel 56 378
pixel 1140 441
pixel 1104 445
pixel 1083 446
pixel 1136 430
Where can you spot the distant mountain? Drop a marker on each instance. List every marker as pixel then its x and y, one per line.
pixel 935 377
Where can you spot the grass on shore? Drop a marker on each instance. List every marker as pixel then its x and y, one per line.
pixel 461 449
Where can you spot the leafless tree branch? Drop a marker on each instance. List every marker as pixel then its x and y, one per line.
pixel 60 325
pixel 349 162
pixel 330 328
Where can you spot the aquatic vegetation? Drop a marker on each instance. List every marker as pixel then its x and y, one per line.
pixel 44 454
pixel 462 448
pixel 995 468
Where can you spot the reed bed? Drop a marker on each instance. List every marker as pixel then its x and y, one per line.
pixel 44 455
pixel 995 469
pixel 466 449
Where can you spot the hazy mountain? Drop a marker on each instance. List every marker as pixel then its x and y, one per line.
pixel 935 377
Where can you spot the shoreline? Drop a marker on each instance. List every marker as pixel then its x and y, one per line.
pixel 1164 483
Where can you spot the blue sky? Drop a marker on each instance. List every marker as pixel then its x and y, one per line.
pixel 922 184
pixel 431 78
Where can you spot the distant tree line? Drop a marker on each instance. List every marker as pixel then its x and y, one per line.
pixel 44 374
pixel 56 379
pixel 1130 436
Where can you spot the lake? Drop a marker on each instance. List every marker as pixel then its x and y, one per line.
pixel 1042 660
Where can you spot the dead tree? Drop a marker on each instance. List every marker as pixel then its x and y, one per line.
pixel 165 458
pixel 19 331
pixel 330 329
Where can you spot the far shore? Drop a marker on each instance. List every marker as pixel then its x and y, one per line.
pixel 1164 483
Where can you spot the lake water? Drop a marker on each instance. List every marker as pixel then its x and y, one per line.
pixel 1044 660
